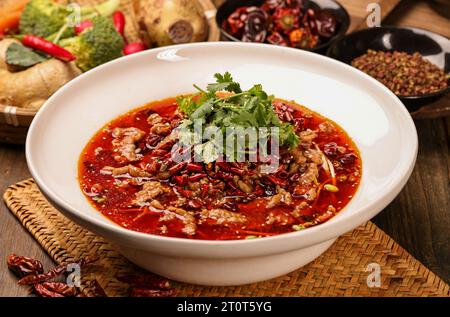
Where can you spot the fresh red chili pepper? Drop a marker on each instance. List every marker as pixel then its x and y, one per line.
pixel 48 47
pixel 133 48
pixel 193 167
pixel 119 22
pixel 83 26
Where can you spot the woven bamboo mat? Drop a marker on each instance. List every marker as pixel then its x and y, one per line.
pixel 340 271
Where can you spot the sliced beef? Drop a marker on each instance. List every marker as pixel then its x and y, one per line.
pixel 150 190
pixel 124 144
pixel 221 216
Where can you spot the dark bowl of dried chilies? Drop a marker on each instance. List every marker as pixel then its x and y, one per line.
pixel 412 62
pixel 303 24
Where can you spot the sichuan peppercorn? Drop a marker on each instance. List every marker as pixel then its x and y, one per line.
pixel 404 74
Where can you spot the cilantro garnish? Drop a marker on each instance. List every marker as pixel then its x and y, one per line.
pixel 236 108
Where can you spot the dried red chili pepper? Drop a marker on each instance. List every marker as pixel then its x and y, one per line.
pixel 152 140
pixel 195 204
pixel 325 22
pixel 196 177
pixel 180 180
pixel 286 19
pixel 204 190
pixel 59 288
pixel 277 181
pixel 43 291
pixel 276 39
pixel 184 192
pixel 272 4
pixel 238 171
pixel 145 292
pixel 60 269
pixel 255 29
pixel 274 20
pixel 297 4
pixel 223 166
pixel 282 174
pixel 144 280
pixel 194 167
pixel 303 38
pixel 23 265
pixel 235 22
pixel 176 168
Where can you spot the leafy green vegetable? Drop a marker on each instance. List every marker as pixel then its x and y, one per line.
pixel 23 57
pixel 96 45
pixel 42 18
pixel 236 109
pixel 48 19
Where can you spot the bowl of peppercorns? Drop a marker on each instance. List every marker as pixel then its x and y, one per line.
pixel 413 63
pixel 304 24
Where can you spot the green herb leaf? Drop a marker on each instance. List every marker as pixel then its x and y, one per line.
pixel 241 109
pixel 224 83
pixel 23 57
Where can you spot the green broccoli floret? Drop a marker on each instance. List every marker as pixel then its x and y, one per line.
pixel 96 45
pixel 46 18
pixel 42 18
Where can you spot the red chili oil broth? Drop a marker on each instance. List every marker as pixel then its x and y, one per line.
pixel 118 200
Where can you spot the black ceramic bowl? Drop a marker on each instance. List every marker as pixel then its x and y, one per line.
pixel 342 17
pixel 432 46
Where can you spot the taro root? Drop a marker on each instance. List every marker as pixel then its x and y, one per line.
pixel 170 22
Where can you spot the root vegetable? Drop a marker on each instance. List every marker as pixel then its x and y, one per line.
pixel 172 22
pixel 31 88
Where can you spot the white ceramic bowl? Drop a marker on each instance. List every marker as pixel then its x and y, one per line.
pixel 376 120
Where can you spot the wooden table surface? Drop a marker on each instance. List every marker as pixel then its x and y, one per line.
pixel 418 219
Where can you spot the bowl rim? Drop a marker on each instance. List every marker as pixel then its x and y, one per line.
pixel 313 235
pixel 437 93
pixel 342 30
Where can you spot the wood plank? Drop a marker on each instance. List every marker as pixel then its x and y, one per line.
pixel 14 238
pixel 358 11
pixel 419 218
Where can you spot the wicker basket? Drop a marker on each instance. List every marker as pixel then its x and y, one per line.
pixel 14 122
